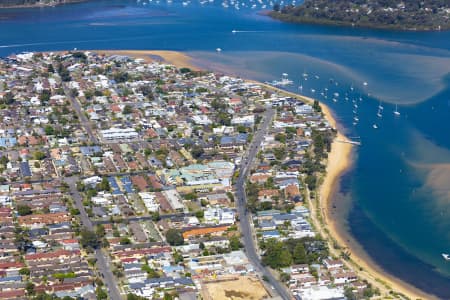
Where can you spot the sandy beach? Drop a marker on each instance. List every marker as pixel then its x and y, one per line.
pixel 175 58
pixel 339 161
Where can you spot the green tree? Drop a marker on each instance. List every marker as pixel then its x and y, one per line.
pixel 125 241
pixel 100 293
pixel 39 155
pixel 49 130
pixel 127 110
pixel 276 254
pixel 88 239
pixel 29 288
pixel 174 237
pixel 235 243
pixel 24 271
pixel 316 106
pixel 299 254
pixel 24 210
pixel 104 185
pixel 135 297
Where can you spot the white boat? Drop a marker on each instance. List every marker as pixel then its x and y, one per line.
pixel 379 114
pixel 356 119
pixel 283 82
pixel 313 90
pixel 218 49
pixel 396 112
pixel 375 126
pixel 446 256
pixel 233 31
pixel 317 77
pixel 334 100
pixel 365 83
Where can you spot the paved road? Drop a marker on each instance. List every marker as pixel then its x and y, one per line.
pixel 81 116
pixel 103 264
pixel 245 219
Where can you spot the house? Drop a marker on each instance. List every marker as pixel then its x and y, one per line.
pixel 271 234
pixel 268 195
pixel 333 263
pixel 217 230
pixel 218 215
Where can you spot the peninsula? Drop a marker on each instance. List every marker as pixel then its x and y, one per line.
pixel 424 15
pixel 163 181
pixel 34 3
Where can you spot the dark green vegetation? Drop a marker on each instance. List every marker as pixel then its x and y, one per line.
pixel 386 14
pixel 26 3
pixel 174 237
pixel 278 254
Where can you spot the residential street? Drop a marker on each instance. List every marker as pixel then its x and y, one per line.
pixel 245 218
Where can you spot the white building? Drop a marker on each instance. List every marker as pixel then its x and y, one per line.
pixel 119 134
pixel 322 293
pixel 149 201
pixel 218 215
pixel 201 120
pixel 244 120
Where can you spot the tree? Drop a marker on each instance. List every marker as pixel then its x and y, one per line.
pixel 156 216
pixel 4 160
pixel 135 297
pixel 197 151
pixel 127 110
pixel 199 214
pixel 316 106
pixel 24 271
pixel 174 237
pixel 50 68
pixel 49 130
pixel 311 181
pixel 24 210
pixel 185 70
pixel 29 288
pixel 89 239
pixel 100 293
pixel 276 254
pixel 235 243
pixel 299 254
pixel 104 185
pixel 8 98
pixel 125 241
pixel 39 155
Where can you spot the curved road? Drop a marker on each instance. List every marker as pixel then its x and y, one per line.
pixel 245 218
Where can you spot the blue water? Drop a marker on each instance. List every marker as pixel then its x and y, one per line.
pixel 400 182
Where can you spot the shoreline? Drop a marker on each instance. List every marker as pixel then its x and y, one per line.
pixel 41 5
pixel 175 58
pixel 339 161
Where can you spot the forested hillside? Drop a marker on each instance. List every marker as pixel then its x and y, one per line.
pixel 18 3
pixel 390 14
